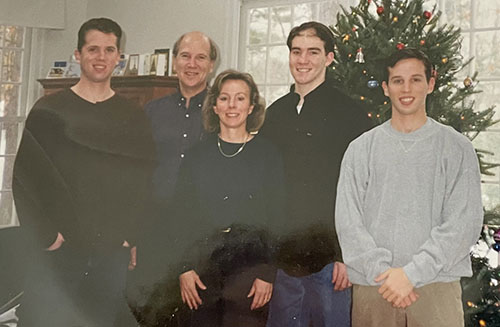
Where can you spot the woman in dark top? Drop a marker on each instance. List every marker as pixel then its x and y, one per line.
pixel 230 195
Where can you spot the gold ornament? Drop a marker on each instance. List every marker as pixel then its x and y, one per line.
pixel 395 19
pixel 346 38
pixel 362 98
pixel 370 114
pixel 444 60
pixel 468 82
pixel 482 323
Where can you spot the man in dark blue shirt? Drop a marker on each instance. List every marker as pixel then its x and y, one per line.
pixel 176 125
pixel 176 118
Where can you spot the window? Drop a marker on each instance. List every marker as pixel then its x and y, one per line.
pixel 12 112
pixel 480 24
pixel 264 29
pixel 263 53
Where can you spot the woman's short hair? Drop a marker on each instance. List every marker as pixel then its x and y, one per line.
pixel 254 120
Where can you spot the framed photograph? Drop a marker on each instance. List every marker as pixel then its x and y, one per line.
pixel 144 64
pixel 73 69
pixel 133 65
pixel 122 65
pixel 58 69
pixel 166 52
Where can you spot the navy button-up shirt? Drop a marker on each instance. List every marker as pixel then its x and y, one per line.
pixel 175 130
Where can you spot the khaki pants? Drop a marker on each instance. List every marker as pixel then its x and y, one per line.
pixel 439 304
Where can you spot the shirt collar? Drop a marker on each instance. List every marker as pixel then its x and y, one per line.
pixel 196 100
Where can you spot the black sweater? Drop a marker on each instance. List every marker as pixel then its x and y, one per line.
pixel 312 144
pixel 215 193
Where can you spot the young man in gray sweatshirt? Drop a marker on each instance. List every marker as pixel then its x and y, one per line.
pixel 408 209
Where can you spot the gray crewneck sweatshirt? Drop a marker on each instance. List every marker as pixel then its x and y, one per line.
pixel 409 200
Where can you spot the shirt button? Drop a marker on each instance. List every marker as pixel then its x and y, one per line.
pixel 199 105
pixel 183 99
pixel 182 155
pixel 184 135
pixel 180 104
pixel 225 198
pixel 187 115
pixel 86 273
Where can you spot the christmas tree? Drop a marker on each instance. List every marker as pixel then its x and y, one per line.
pixel 372 31
pixel 369 33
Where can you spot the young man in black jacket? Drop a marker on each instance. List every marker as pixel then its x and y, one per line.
pixel 312 126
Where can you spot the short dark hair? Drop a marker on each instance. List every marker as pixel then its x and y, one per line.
pixel 104 25
pixel 322 31
pixel 213 47
pixel 254 120
pixel 409 53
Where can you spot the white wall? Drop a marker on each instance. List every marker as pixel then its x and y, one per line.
pixel 147 24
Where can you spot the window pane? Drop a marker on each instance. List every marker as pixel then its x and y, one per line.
pixel 7 173
pixel 8 138
pixel 256 63
pixel 487 98
pixel 489 141
pixel 488 53
pixel 273 93
pixel 11 66
pixel 277 68
pixel 303 13
pixel 257 27
pixel 9 99
pixel 328 11
pixel 6 203
pixel 14 36
pixel 458 12
pixel 491 195
pixel 487 14
pixel 281 23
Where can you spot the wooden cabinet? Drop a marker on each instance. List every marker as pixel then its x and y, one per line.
pixel 140 89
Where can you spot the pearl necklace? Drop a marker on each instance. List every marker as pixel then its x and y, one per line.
pixel 234 154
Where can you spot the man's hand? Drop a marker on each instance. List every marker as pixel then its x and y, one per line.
pixel 396 286
pixel 261 292
pixel 188 282
pixel 339 277
pixel 133 255
pixel 57 243
pixel 133 258
pixel 407 301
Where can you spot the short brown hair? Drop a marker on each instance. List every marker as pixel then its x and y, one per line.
pixel 104 25
pixel 322 31
pixel 254 120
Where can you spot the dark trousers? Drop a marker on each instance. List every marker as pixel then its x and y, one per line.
pixel 66 289
pixel 225 302
pixel 309 301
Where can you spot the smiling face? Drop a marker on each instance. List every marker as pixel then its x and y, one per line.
pixel 308 61
pixel 98 57
pixel 407 87
pixel 233 105
pixel 193 63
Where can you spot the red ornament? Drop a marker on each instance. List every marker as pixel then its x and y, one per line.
pixel 427 15
pixel 422 42
pixel 354 29
pixel 400 46
pixel 380 10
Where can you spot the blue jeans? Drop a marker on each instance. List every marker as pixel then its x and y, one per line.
pixel 302 301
